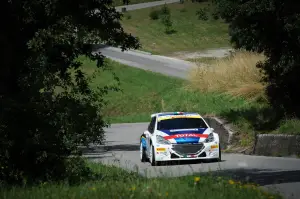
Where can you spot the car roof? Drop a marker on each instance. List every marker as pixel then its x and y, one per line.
pixel 173 113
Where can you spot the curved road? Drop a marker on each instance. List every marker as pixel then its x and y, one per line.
pixel 122 149
pixel 122 146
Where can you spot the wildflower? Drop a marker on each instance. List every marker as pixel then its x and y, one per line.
pixel 93 188
pixel 271 197
pixel 167 193
pixel 133 188
pixel 230 181
pixel 197 179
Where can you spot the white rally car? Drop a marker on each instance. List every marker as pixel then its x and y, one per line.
pixel 178 136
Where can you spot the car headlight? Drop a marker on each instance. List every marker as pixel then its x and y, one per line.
pixel 210 138
pixel 161 140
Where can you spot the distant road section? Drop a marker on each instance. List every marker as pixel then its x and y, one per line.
pixel 155 63
pixel 145 5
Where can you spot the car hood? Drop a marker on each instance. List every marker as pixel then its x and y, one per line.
pixel 185 136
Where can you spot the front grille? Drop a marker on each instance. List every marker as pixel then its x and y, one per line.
pixel 188 148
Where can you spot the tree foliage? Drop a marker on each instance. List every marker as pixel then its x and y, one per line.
pixel 40 125
pixel 271 27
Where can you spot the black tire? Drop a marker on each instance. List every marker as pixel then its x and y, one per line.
pixel 153 162
pixel 219 159
pixel 220 154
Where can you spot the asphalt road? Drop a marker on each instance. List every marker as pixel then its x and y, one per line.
pixel 145 5
pixel 165 65
pixel 122 147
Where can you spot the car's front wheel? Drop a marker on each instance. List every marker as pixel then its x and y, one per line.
pixel 220 155
pixel 152 157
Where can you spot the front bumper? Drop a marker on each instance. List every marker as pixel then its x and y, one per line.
pixel 187 151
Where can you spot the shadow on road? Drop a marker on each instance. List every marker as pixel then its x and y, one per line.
pixel 111 148
pixel 186 162
pixel 104 151
pixel 258 176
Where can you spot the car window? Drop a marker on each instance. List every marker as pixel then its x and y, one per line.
pixel 152 125
pixel 181 123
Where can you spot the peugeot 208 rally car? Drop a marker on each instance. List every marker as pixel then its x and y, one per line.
pixel 178 136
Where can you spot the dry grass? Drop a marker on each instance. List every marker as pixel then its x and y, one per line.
pixel 236 75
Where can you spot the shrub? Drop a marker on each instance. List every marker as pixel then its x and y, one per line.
pixel 215 15
pixel 165 10
pixel 202 14
pixel 236 75
pixel 166 20
pixel 271 27
pixel 48 107
pixel 128 16
pixel 154 14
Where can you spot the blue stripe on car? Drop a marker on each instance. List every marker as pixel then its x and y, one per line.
pixel 197 131
pixel 187 140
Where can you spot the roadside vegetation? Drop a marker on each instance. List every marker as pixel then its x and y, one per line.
pixel 51 103
pixel 236 75
pixel 113 182
pixel 185 31
pixel 144 92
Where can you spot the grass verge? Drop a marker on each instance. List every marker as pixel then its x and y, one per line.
pixel 190 34
pixel 118 183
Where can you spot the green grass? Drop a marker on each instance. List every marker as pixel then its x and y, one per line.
pixel 145 92
pixel 122 184
pixel 120 2
pixel 191 33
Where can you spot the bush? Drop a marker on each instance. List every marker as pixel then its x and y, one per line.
pixel 215 15
pixel 77 171
pixel 202 14
pixel 154 14
pixel 48 107
pixel 165 10
pixel 128 16
pixel 271 27
pixel 166 20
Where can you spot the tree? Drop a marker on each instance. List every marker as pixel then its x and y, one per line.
pixel 271 27
pixel 40 126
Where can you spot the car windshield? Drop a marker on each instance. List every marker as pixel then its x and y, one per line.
pixel 181 123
